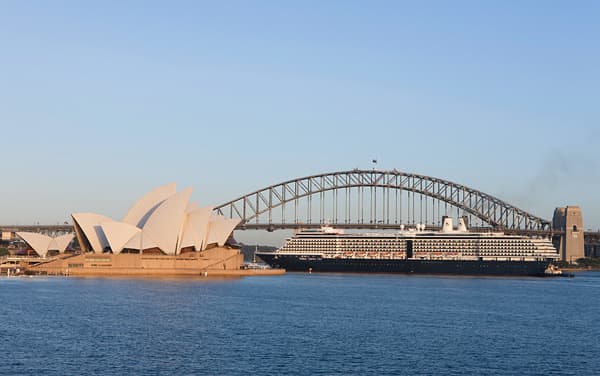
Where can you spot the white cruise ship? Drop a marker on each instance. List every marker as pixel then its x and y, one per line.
pixel 415 250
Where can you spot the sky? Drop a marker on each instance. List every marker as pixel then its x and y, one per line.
pixel 102 101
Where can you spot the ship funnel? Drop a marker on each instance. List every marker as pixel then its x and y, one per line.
pixel 462 226
pixel 447 224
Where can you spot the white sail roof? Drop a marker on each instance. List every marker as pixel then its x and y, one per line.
pixel 38 242
pixel 165 224
pixel 41 243
pixel 219 229
pixel 89 223
pixel 60 243
pixel 139 213
pixel 192 206
pixel 162 218
pixel 195 229
pixel 118 234
pixel 140 241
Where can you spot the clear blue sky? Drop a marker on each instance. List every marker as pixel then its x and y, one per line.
pixel 100 102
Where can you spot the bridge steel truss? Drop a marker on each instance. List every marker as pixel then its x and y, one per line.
pixel 256 209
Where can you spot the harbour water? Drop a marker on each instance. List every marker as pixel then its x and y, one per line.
pixel 319 324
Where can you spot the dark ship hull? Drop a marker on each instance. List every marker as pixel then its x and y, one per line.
pixel 408 266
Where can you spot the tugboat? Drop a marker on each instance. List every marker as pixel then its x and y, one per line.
pixel 553 271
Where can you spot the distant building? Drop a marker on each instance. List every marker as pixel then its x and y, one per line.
pixel 592 250
pixel 7 236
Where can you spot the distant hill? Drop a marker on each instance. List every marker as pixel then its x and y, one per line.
pixel 248 250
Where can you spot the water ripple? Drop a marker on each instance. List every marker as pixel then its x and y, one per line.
pixel 322 324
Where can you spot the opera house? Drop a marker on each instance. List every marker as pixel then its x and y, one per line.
pixel 163 233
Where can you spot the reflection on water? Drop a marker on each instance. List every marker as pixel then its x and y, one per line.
pixel 300 324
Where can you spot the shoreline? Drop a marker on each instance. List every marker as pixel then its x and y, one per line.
pixel 581 269
pixel 238 273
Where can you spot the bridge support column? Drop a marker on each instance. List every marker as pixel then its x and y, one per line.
pixel 569 220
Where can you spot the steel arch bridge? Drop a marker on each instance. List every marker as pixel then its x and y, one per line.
pixel 373 198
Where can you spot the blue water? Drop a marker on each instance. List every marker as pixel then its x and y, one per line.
pixel 319 324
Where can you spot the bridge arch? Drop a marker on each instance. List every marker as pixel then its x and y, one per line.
pixel 259 207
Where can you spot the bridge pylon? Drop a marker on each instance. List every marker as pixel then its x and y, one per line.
pixel 568 222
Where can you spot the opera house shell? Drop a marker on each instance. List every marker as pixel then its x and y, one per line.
pixel 162 221
pixel 44 244
pixel 162 233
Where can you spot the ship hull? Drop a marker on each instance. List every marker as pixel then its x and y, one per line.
pixel 410 266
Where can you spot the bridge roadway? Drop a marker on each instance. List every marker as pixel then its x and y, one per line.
pixel 37 228
pixel 383 226
pixel 591 237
